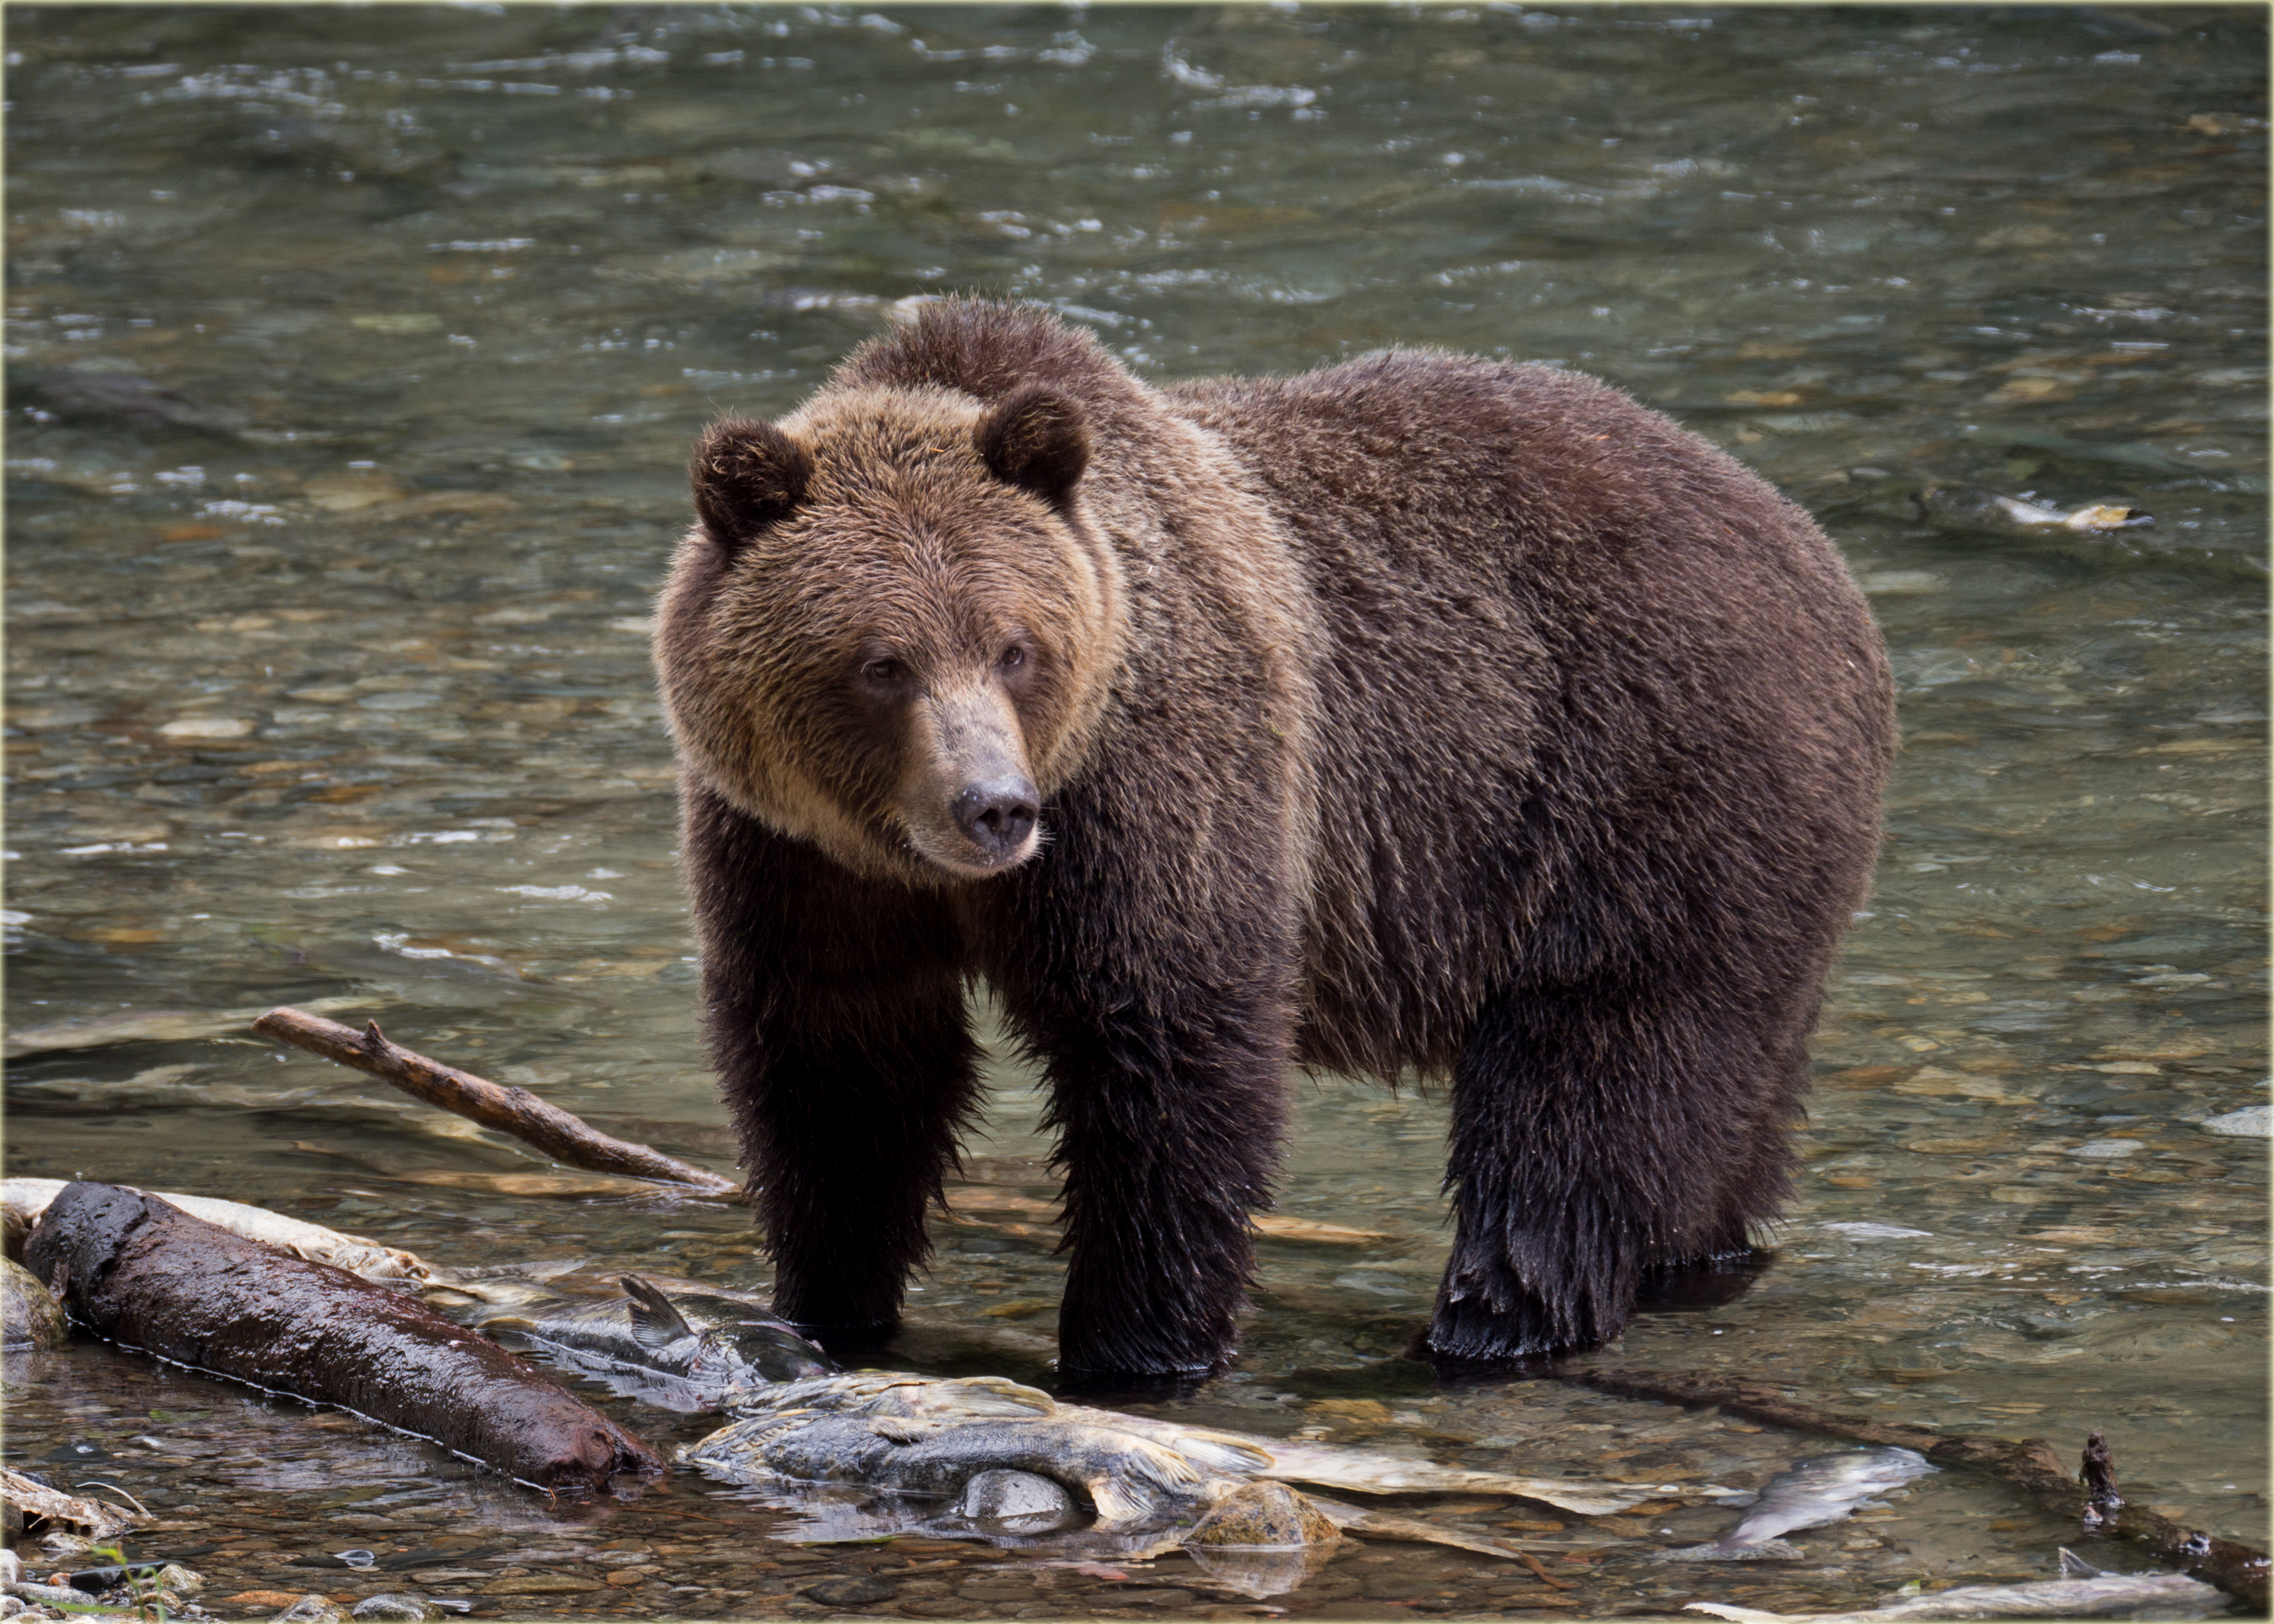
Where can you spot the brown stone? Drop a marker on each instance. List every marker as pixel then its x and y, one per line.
pixel 998 1590
pixel 543 1584
pixel 275 1601
pixel 1264 1513
pixel 1395 1587
pixel 627 1576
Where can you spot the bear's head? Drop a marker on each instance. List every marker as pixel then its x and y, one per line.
pixel 892 629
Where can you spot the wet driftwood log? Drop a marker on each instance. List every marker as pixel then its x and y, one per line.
pixel 149 1276
pixel 2029 1465
pixel 564 1138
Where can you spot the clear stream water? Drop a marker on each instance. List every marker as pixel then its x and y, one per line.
pixel 353 359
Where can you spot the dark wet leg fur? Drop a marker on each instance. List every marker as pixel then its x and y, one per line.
pixel 1160 1177
pixel 835 1014
pixel 1569 1191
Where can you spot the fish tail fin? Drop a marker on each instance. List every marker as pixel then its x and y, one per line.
pixel 655 1322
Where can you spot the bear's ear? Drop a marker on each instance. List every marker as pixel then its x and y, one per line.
pixel 1035 437
pixel 747 474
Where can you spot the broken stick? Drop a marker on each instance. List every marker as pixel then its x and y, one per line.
pixel 560 1135
pixel 2029 1465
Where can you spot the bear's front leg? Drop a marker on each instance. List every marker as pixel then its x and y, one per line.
pixel 835 1011
pixel 849 1117
pixel 1169 1124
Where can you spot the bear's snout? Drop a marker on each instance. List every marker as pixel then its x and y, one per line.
pixel 968 799
pixel 997 816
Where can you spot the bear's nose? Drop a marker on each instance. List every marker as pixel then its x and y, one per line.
pixel 997 816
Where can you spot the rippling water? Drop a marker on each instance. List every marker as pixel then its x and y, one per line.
pixel 353 359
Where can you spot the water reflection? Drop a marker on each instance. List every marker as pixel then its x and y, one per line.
pixel 353 360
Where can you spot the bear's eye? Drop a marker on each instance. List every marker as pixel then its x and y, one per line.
pixel 883 672
pixel 1012 657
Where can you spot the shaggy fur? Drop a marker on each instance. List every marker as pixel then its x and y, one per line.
pixel 1421 715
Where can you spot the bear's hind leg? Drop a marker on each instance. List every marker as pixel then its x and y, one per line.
pixel 1596 1130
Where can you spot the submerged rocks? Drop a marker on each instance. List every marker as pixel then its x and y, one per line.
pixel 1263 1539
pixel 1020 1502
pixel 313 1608
pixel 2251 1122
pixel 857 1590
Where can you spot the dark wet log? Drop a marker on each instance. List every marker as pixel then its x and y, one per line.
pixel 560 1135
pixel 2028 1464
pixel 149 1276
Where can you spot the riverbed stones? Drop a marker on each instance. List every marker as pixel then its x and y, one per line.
pixel 2251 1122
pixel 1017 1501
pixel 858 1590
pixel 543 1584
pixel 390 1605
pixel 313 1608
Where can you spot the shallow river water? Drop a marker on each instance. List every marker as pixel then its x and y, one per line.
pixel 353 359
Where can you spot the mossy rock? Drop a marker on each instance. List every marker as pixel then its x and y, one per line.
pixel 1264 1513
pixel 30 1317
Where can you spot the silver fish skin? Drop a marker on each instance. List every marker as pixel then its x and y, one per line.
pixel 1810 1493
pixel 696 1350
pixel 2107 1596
pixel 1128 1481
pixel 1368 1471
pixel 1970 507
pixel 1235 1455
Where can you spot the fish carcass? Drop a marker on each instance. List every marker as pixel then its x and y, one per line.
pixel 1810 1493
pixel 695 1350
pixel 862 1453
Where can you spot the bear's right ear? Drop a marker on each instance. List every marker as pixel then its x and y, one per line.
pixel 747 474
pixel 1035 437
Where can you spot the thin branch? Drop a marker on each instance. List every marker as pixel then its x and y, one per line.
pixel 560 1135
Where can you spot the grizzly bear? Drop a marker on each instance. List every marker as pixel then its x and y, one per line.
pixel 1421 716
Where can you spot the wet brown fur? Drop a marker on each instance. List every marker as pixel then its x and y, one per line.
pixel 1421 715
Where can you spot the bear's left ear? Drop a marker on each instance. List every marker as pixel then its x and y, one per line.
pixel 747 474
pixel 1035 437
